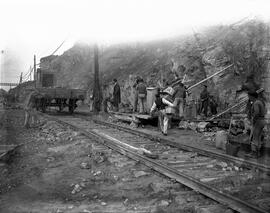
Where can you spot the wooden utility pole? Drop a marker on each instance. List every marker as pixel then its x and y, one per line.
pixel 21 78
pixel 97 95
pixel 35 71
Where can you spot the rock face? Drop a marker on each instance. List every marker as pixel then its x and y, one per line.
pixel 160 62
pixel 266 86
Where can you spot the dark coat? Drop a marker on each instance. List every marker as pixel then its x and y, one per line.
pixel 258 110
pixel 116 94
pixel 180 92
pixel 141 88
pixel 204 95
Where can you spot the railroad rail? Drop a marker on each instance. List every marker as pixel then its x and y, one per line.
pixel 5 150
pixel 240 189
pixel 239 161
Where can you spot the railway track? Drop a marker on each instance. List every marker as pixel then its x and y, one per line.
pixel 239 161
pixel 240 189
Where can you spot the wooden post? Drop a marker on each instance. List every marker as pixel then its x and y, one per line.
pixel 35 71
pixel 97 95
pixel 21 78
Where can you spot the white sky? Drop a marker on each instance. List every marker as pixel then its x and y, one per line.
pixel 29 27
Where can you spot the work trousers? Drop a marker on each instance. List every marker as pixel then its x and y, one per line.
pixel 204 107
pixel 141 104
pixel 180 103
pixel 256 142
pixel 30 118
pixel 163 119
pixel 116 106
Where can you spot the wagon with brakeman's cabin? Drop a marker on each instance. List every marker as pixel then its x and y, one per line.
pixel 51 96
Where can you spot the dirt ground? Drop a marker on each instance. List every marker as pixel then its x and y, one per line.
pixel 59 170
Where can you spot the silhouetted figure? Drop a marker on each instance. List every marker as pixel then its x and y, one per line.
pixel 116 95
pixel 141 88
pixel 180 98
pixel 213 105
pixel 204 101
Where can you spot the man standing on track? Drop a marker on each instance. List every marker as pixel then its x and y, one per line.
pixel 161 103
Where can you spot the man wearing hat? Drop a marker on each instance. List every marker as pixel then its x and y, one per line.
pixel 250 86
pixel 258 111
pixel 163 100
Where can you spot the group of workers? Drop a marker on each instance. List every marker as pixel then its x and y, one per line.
pixel 171 98
pixel 174 99
pixel 167 101
pixel 207 101
pixel 139 98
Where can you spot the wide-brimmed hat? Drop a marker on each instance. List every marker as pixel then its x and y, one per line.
pixel 169 90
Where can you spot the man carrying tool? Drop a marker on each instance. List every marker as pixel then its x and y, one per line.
pixel 162 102
pixel 258 111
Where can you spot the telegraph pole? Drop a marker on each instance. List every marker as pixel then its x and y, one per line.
pixel 21 78
pixel 97 95
pixel 35 71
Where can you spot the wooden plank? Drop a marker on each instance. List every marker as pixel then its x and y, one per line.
pixel 123 118
pixel 140 116
pixel 9 148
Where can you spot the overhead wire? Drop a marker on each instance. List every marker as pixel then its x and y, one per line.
pixel 28 74
pixel 56 49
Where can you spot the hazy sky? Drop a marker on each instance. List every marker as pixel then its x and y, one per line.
pixel 31 27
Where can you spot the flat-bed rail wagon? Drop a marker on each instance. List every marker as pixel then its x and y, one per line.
pixel 50 95
pixel 58 97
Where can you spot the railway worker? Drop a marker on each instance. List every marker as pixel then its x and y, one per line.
pixel 250 86
pixel 141 88
pixel 116 95
pixel 180 98
pixel 204 101
pixel 162 102
pixel 213 105
pixel 258 111
pixel 30 114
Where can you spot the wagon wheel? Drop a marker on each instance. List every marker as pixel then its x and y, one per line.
pixel 43 105
pixel 61 105
pixel 72 105
pixel 37 104
pixel 60 108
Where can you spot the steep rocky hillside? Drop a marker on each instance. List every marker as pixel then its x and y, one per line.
pixel 198 56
